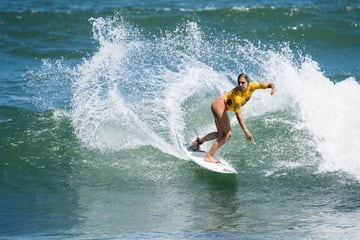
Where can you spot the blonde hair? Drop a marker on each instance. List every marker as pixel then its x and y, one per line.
pixel 245 76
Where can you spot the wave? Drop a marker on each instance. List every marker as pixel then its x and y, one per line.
pixel 137 90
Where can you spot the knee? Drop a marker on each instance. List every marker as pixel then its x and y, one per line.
pixel 225 135
pixel 219 135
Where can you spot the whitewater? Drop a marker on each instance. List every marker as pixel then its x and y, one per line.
pixel 140 89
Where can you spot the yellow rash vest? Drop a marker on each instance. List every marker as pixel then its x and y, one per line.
pixel 236 98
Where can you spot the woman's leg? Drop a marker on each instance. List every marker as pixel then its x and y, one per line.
pixel 209 136
pixel 223 133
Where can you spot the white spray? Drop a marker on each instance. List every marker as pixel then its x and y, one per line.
pixel 123 100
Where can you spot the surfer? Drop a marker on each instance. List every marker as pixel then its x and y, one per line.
pixel 233 101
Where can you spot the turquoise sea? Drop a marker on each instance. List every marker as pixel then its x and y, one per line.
pixel 98 97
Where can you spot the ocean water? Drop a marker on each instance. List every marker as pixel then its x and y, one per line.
pixel 97 99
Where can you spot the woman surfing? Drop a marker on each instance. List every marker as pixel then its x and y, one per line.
pixel 233 101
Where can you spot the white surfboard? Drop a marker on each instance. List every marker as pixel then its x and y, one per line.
pixel 221 167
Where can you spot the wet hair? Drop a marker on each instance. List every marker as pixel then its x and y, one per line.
pixel 245 76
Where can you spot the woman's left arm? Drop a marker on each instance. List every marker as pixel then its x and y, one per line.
pixel 273 89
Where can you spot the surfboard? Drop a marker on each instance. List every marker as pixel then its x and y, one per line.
pixel 221 167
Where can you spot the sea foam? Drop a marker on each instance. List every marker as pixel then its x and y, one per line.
pixel 133 91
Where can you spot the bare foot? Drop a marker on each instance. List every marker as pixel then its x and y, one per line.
pixel 211 159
